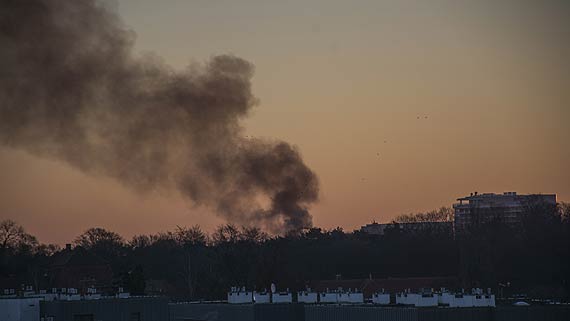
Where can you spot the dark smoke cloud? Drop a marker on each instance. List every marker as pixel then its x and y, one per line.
pixel 72 89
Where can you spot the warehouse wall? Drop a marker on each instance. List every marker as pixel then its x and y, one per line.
pixel 158 309
pixel 132 309
pixel 19 309
pixel 210 312
pixel 363 313
pixel 237 312
pixel 454 314
pixel 533 313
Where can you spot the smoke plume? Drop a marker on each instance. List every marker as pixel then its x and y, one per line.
pixel 72 89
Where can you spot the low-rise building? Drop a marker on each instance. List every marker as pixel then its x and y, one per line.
pixel 381 298
pixel 282 297
pixel 463 300
pixel 417 299
pixel 307 297
pixel 350 297
pixel 328 297
pixel 261 297
pixel 370 286
pixel 239 296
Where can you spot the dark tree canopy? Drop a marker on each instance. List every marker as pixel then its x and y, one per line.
pixel 443 214
pixel 192 264
pixel 14 237
pixel 97 237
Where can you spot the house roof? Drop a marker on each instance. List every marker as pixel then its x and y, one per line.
pixel 391 285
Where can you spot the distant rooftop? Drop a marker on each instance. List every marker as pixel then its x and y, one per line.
pixel 477 196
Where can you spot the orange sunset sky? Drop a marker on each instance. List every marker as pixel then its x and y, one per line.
pixel 398 106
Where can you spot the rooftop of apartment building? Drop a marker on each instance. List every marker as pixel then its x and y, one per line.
pixel 505 198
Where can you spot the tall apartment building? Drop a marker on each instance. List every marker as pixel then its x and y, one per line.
pixel 508 208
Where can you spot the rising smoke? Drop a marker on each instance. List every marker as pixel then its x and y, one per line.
pixel 72 89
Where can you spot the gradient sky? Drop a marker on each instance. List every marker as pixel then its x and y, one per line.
pixel 345 81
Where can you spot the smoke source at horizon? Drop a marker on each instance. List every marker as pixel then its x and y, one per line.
pixel 72 89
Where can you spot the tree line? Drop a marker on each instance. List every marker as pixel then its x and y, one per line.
pixel 533 259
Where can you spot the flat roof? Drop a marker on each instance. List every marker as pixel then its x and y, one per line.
pixel 491 195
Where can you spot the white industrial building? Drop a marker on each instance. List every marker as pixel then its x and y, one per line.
pixel 60 294
pixel 28 305
pixel 341 296
pixel 458 300
pixel 20 309
pixel 381 298
pixel 240 296
pixel 92 294
pixel 8 293
pixel 328 297
pixel 282 297
pixel 486 300
pixel 461 300
pixel 350 297
pixel 446 299
pixel 417 300
pixel 425 298
pixel 70 294
pixel 261 297
pixel 48 296
pixel 307 296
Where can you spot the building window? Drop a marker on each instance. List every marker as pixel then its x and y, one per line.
pixel 135 316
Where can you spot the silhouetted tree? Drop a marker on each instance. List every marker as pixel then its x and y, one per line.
pixel 13 237
pixel 443 214
pixel 105 244
pixel 227 233
pixel 97 237
pixel 533 258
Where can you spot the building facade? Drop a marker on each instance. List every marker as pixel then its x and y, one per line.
pixel 19 309
pixel 106 309
pixel 507 208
